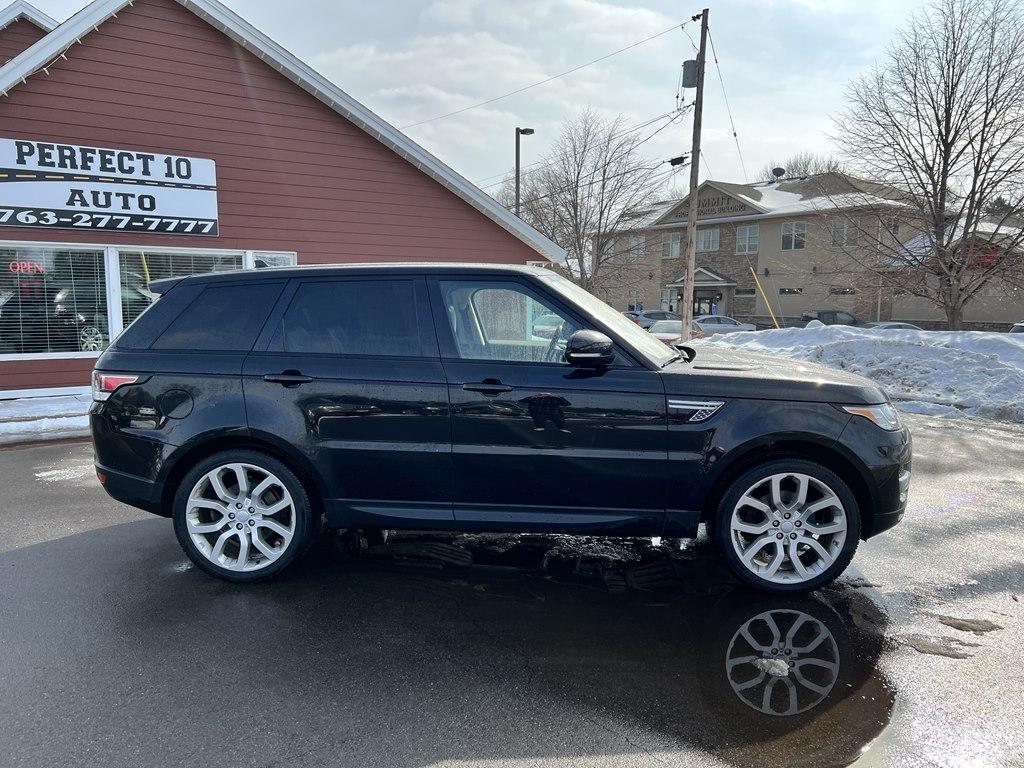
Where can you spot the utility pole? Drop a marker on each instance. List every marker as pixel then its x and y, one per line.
pixel 691 216
pixel 519 132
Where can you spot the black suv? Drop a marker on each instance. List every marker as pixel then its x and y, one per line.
pixel 253 406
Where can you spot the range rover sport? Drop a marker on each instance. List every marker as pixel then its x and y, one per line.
pixel 254 407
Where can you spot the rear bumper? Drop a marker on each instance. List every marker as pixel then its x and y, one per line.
pixel 131 489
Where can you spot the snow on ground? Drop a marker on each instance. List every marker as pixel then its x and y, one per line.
pixel 43 418
pixel 948 373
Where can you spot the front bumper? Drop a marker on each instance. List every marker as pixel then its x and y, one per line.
pixel 886 457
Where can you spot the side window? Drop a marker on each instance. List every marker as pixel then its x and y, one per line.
pixel 352 317
pixel 504 321
pixel 224 318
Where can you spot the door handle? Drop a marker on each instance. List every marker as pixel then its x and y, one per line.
pixel 287 378
pixel 490 387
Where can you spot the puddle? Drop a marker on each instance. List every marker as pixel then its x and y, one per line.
pixel 659 633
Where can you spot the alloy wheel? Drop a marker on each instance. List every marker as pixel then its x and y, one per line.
pixel 90 339
pixel 788 528
pixel 782 662
pixel 240 517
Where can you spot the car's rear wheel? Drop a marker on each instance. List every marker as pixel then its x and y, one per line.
pixel 242 516
pixel 787 526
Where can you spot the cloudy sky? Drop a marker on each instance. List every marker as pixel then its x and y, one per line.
pixel 784 63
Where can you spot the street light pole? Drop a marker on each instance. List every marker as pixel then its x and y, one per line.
pixel 519 132
pixel 691 216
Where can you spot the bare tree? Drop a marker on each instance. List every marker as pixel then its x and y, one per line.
pixel 941 121
pixel 583 193
pixel 801 164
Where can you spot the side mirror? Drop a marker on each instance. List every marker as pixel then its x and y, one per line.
pixel 589 349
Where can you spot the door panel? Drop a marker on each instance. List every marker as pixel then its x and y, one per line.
pixel 377 431
pixel 376 428
pixel 540 445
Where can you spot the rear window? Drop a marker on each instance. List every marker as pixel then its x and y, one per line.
pixel 352 317
pixel 224 318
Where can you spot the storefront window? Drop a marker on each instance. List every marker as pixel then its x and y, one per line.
pixel 140 268
pixel 262 259
pixel 52 301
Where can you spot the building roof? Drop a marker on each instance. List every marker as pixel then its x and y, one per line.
pixel 19 9
pixel 62 37
pixel 808 194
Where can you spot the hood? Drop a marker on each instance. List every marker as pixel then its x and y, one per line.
pixel 720 372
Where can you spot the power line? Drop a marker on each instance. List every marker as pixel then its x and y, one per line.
pixel 504 174
pixel 547 79
pixel 615 176
pixel 548 163
pixel 704 159
pixel 728 109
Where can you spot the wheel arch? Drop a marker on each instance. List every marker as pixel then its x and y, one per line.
pixel 206 446
pixel 828 454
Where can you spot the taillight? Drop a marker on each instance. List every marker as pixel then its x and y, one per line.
pixel 104 384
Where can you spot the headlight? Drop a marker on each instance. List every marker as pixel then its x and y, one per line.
pixel 884 415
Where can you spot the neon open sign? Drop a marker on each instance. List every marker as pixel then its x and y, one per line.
pixel 26 268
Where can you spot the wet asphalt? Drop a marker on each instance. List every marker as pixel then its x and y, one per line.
pixel 502 651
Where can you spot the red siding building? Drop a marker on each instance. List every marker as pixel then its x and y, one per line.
pixel 144 140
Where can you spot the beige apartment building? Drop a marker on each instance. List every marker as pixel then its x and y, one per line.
pixel 809 241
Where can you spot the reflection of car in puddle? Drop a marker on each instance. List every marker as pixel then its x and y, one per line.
pixel 667 639
pixel 782 662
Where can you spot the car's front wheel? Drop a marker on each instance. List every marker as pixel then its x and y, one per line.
pixel 789 525
pixel 242 516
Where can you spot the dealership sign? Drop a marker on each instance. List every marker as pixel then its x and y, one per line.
pixel 67 186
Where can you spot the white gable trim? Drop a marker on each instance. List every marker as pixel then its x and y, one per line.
pixel 710 279
pixel 19 9
pixel 239 30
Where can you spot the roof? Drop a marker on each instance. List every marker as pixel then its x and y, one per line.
pixel 987 231
pixel 238 29
pixel 367 268
pixel 808 194
pixel 19 9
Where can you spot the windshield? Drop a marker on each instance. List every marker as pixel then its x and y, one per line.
pixel 636 337
pixel 667 326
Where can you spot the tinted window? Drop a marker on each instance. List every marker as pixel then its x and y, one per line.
pixel 224 318
pixel 353 317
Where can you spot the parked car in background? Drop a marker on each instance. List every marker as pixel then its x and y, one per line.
pixel 827 317
pixel 546 326
pixel 1017 328
pixel 251 407
pixel 649 317
pixel 671 332
pixel 894 325
pixel 710 324
pixel 81 313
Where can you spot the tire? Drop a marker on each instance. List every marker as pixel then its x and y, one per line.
pixel 762 517
pixel 278 526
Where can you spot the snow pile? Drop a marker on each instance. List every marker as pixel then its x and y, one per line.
pixel 44 418
pixel 932 372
